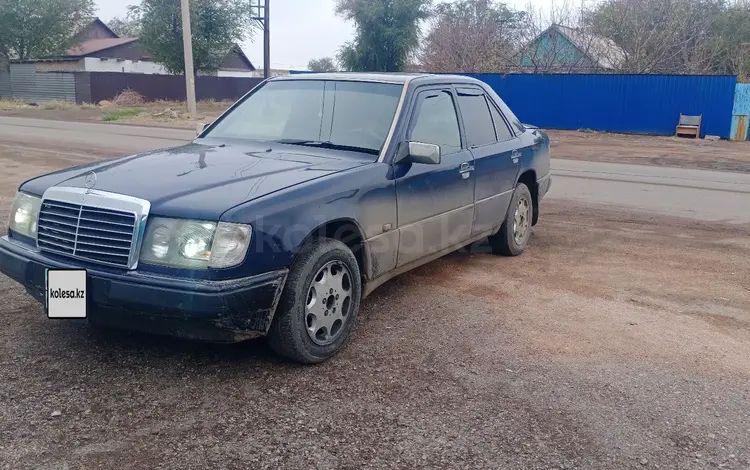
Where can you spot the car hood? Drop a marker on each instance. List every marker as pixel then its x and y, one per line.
pixel 201 181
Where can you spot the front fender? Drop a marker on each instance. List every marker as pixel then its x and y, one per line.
pixel 282 221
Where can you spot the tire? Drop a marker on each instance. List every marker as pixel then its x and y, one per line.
pixel 304 308
pixel 505 242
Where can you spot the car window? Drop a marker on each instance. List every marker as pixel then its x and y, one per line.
pixel 514 122
pixel 437 122
pixel 345 113
pixel 362 113
pixel 279 110
pixel 517 126
pixel 503 133
pixel 477 120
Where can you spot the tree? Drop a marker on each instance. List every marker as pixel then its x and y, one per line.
pixel 661 36
pixel 731 33
pixel 217 25
pixel 324 64
pixel 129 26
pixel 387 33
pixel 41 28
pixel 472 36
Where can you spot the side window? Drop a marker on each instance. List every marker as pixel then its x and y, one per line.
pixel 515 124
pixel 477 120
pixel 503 133
pixel 436 121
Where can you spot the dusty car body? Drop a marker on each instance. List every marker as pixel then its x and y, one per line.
pixel 290 208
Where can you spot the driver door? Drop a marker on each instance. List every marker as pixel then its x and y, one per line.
pixel 435 201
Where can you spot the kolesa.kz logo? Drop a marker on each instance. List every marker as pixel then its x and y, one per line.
pixel 67 294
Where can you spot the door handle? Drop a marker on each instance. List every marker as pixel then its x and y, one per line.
pixel 465 169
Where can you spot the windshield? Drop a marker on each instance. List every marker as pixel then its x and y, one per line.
pixel 353 115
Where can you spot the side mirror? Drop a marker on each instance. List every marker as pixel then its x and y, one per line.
pixel 420 152
pixel 200 127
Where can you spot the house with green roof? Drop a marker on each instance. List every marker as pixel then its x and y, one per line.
pixel 560 49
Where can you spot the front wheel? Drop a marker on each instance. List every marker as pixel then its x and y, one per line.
pixel 319 306
pixel 515 231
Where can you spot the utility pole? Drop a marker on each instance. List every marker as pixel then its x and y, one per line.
pixel 263 18
pixel 187 42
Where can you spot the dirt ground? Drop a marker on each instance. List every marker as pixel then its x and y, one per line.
pixel 152 115
pixel 618 340
pixel 682 152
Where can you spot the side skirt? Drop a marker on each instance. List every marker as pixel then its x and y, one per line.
pixel 371 285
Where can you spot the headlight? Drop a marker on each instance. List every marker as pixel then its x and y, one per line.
pixel 195 244
pixel 24 215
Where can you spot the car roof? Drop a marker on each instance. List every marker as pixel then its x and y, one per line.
pixel 396 78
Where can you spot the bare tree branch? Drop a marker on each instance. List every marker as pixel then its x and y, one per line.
pixel 472 36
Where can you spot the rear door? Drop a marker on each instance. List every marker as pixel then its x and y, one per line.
pixel 496 157
pixel 435 202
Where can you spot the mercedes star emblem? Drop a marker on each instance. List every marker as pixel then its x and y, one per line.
pixel 90 180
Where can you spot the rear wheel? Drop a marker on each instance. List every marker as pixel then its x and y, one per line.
pixel 515 231
pixel 319 306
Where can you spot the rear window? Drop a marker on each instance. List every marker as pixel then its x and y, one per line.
pixel 503 133
pixel 514 122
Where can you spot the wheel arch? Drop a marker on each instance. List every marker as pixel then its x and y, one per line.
pixel 347 231
pixel 528 178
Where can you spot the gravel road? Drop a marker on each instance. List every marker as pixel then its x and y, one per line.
pixel 620 339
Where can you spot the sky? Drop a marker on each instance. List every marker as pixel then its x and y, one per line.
pixel 300 30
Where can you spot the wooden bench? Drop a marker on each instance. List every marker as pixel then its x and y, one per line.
pixel 689 125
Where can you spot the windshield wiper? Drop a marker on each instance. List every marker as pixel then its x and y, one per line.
pixel 327 144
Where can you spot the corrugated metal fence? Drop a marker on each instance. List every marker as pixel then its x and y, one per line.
pixel 107 85
pixel 28 85
pixel 642 104
pixel 4 84
pixel 24 82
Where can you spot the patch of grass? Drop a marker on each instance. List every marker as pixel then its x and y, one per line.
pixel 10 105
pixel 88 106
pixel 121 113
pixel 56 104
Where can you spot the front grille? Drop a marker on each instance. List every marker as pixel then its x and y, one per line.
pixel 90 233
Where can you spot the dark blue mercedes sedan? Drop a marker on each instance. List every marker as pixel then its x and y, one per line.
pixel 284 213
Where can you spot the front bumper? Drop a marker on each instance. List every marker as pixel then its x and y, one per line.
pixel 218 311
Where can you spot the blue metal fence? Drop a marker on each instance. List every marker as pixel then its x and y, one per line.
pixel 639 104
